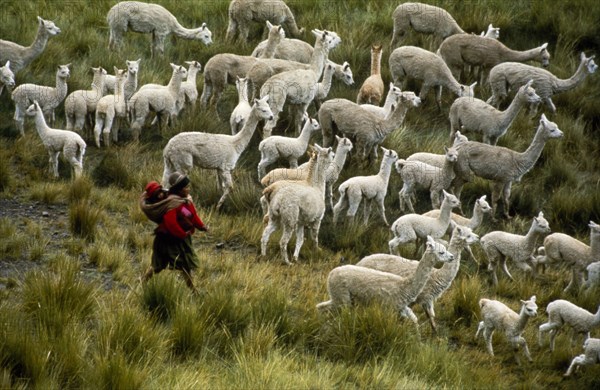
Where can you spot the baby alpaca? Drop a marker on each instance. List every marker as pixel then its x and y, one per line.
pixel 20 56
pixel 242 12
pixel 591 355
pixel 82 103
pixel 109 108
pixel 437 160
pixel 497 316
pixel 351 284
pixel 48 97
pixel 275 147
pixel 423 18
pixel 131 83
pixel 369 188
pixel 372 89
pixel 560 313
pixel 499 246
pixel 56 141
pixel 391 99
pixel 7 77
pixel 150 18
pixel 242 110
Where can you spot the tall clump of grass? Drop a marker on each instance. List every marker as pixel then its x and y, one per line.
pixel 83 219
pixel 113 170
pixel 191 331
pixel 161 295
pixel 464 300
pixel 13 242
pixel 59 297
pixel 109 257
pixel 113 371
pixel 6 178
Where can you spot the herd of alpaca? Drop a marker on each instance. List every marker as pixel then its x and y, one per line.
pixel 291 72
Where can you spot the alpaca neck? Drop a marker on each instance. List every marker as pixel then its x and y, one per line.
pixel 530 238
pixel 242 139
pixel 61 87
pixel 325 85
pixel 385 170
pixel 304 136
pixel 38 46
pixel 272 44
pixel 290 24
pixel 455 247
pixel 175 83
pixel 40 123
pixel 448 171
pixel 243 93
pixel 522 322
pixel 508 116
pixel 333 171
pixel 477 217
pixel 511 55
pixel 312 170
pixel 595 245
pixel 390 99
pixel 526 160
pixel 376 63
pixel 445 212
pixel 450 82
pixel 98 82
pixel 182 32
pixel 319 55
pixel 421 274
pixel 192 73
pixel 392 122
pixel 562 85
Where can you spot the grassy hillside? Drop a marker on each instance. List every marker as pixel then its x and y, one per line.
pixel 71 251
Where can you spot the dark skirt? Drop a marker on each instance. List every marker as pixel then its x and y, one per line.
pixel 173 253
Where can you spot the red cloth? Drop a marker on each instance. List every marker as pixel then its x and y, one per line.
pixel 181 221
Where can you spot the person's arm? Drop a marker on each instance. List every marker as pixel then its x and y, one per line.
pixel 196 221
pixel 170 223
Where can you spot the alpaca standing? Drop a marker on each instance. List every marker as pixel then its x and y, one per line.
pixel 56 141
pixel 131 84
pixel 242 12
pixel 109 108
pixel 294 205
pixel 512 75
pixel 242 110
pixel 7 77
pixel 369 188
pixel 391 99
pixel 501 165
pixel 219 152
pixel 561 313
pixel 150 19
pixel 372 89
pixel 48 97
pixel 82 103
pixel 20 56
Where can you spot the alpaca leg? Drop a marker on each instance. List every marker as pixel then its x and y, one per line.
pixel 314 232
pixel 435 198
pixel 496 190
pixel 381 207
pixel 366 211
pixel 264 162
pixel 19 120
pixel 264 205
pixel 226 184
pixel 487 335
pixel 293 161
pixel 480 328
pixel 283 242
pixel 79 123
pixel 407 312
pixel 548 102
pixel 271 227
pixel 506 199
pixel 206 93
pixel 54 163
pixel 329 196
pixel 553 333
pixel 577 361
pixel 523 343
pixel 106 131
pixel 299 242
pixel 75 164
pixel 231 28
pixel 504 267
pixel 98 129
pixel 354 199
pixel 424 90
pixel 438 96
pixel 428 308
pixel 573 282
pixel 340 206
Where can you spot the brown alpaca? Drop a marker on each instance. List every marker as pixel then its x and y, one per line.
pixel 372 89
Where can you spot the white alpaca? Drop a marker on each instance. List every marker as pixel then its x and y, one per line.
pixel 409 227
pixel 344 146
pixel 511 75
pixel 416 174
pixel 163 101
pixel 366 128
pixel 563 249
pixel 591 355
pixel 500 245
pixel 56 141
pixel 131 84
pixel 391 99
pixel 491 32
pixel 437 160
pixel 48 97
pixel 497 316
pixel 324 86
pixel 7 77
pixel 351 284
pixel 277 147
pixel 419 64
pixel 478 116
pixel 467 49
pixel 423 18
pixel 109 108
pixel 370 188
pixel 372 89
pixel 439 280
pixel 298 87
pixel 82 103
pixel 561 313
pixel 294 205
pixel 242 110
pixel 213 151
pixel 242 12
pixel 593 278
pixel 20 56
pixel 153 19
pixel 501 165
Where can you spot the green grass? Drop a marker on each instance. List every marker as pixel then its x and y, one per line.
pixel 74 313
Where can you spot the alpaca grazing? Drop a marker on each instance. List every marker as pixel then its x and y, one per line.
pixel 561 313
pixel 243 12
pixel 80 104
pixel 7 77
pixel 351 284
pixel 478 116
pixel 20 56
pixel 48 97
pixel 499 246
pixel 372 89
pixel 591 355
pixel 423 18
pixel 467 49
pixel 219 152
pixel 501 165
pixel 410 62
pixel 511 75
pixel 109 108
pixel 150 19
pixel 497 316
pixel 56 141
pixel 367 188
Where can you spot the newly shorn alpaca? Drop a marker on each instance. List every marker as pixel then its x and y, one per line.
pixel 372 89
pixel 20 56
pixel 501 165
pixel 150 19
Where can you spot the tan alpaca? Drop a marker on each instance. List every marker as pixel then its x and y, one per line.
pixel 372 89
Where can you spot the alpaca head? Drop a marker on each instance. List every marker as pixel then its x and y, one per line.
pixel 193 65
pixel 343 144
pixel 389 156
pixel 49 27
pixel 133 66
pixel 492 32
pixel 451 154
pixel 63 71
pixel 7 77
pixel 551 129
pixel 409 97
pixel 450 199
pixel 262 107
pixel 203 34
pixel 589 63
pixel 439 250
pixel 540 223
pixel 344 73
pixel 330 39
pixel 33 108
pixel 275 32
pixel 483 205
pixel 528 93
pixel 544 55
pixel 459 138
pixel 464 234
pixel 179 70
pixel 467 90
pixel 529 308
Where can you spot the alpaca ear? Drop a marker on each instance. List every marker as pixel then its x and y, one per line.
pixel 472 86
pixel 490 27
pixel 541 214
pixel 445 193
pixel 430 243
pixel 544 120
pixel 529 83
pixel 338 139
pixel 269 25
pixel 40 20
pixel 7 65
pixel 582 56
pixel 345 65
pixel 445 149
pixel 544 46
pixel 203 26
pixel 483 198
pixel 533 298
pixel 115 69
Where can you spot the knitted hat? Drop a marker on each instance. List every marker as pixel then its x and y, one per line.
pixel 151 188
pixel 178 181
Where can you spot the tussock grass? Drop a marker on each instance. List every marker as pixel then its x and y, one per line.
pixel 83 219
